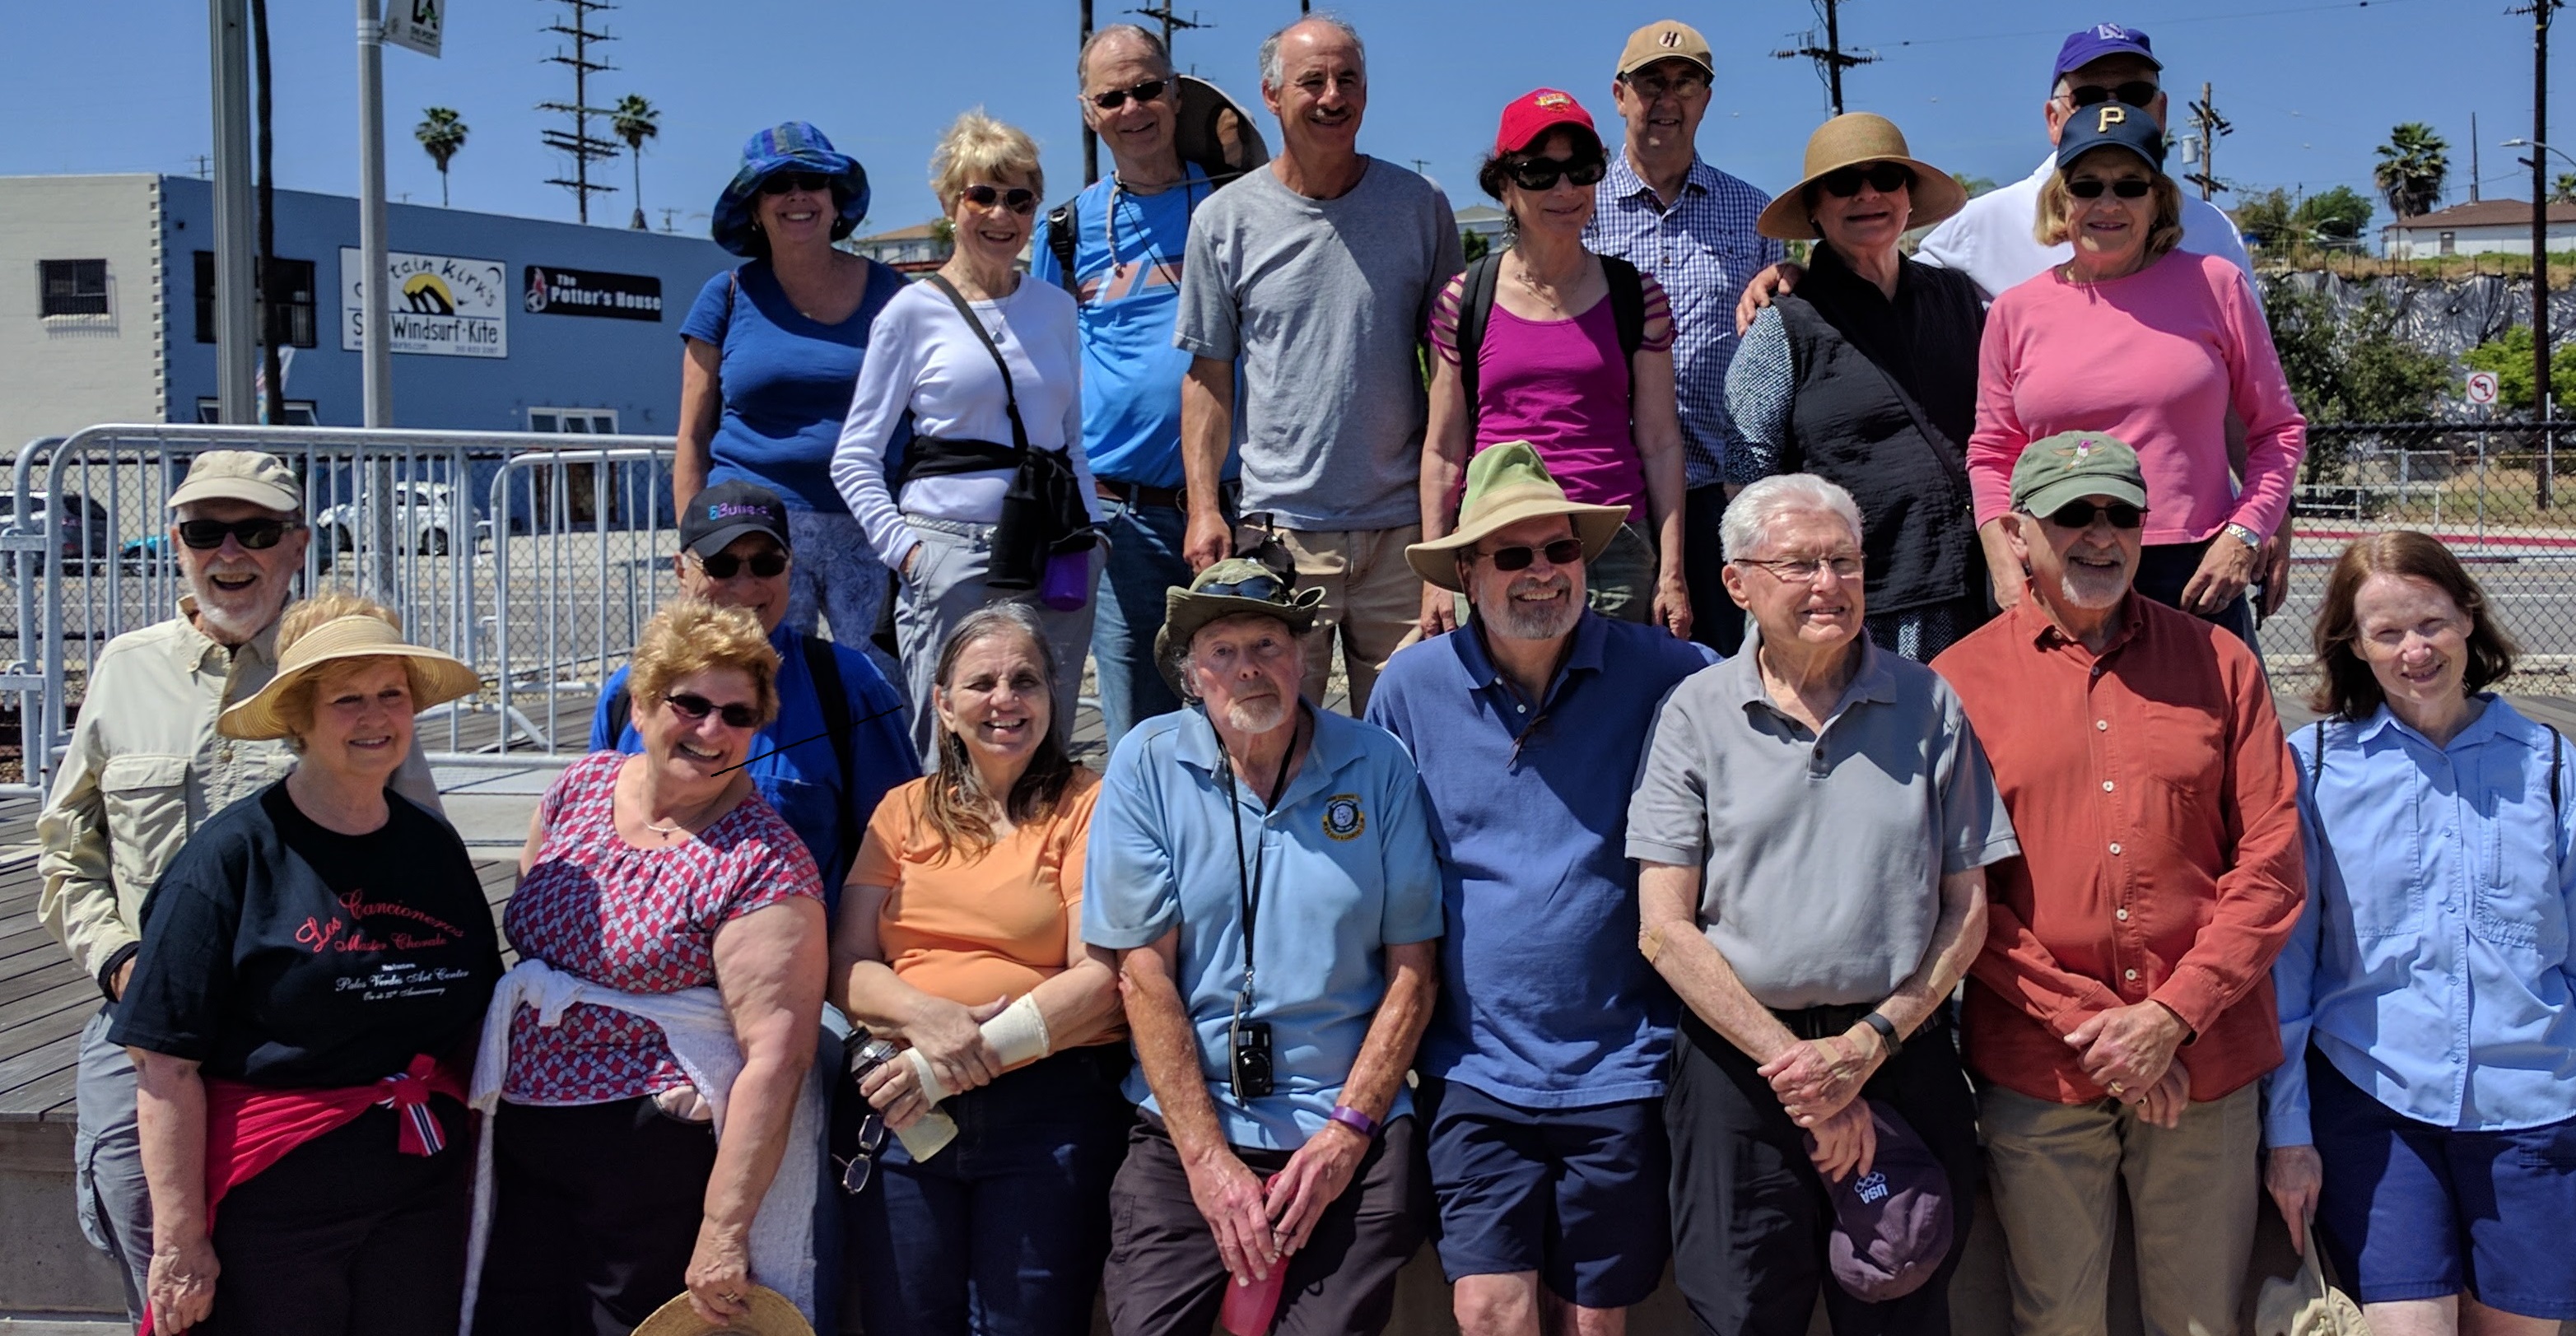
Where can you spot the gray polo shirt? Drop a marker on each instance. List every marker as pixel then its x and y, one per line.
pixel 1821 854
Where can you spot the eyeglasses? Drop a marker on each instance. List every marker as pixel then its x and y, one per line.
pixel 2091 187
pixel 1802 570
pixel 1111 99
pixel 764 565
pixel 861 1167
pixel 2080 514
pixel 2136 93
pixel 784 183
pixel 1562 552
pixel 1883 177
pixel 1542 173
pixel 1685 85
pixel 695 707
pixel 1017 199
pixel 207 535
pixel 1263 588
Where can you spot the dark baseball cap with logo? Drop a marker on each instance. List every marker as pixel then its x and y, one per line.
pixel 722 513
pixel 1894 1225
pixel 2087 45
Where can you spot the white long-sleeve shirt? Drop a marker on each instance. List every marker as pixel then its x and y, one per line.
pixel 923 359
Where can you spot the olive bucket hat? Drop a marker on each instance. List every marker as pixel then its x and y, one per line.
pixel 792 147
pixel 1228 588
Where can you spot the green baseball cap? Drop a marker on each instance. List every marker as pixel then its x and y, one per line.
pixel 2072 465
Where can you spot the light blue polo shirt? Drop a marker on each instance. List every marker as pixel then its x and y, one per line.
pixel 1347 870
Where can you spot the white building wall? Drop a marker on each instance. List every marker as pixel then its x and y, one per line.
pixel 2425 243
pixel 63 373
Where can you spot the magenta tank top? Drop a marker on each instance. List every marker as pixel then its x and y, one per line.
pixel 1562 386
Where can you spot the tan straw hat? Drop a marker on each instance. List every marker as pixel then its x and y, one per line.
pixel 1850 140
pixel 771 1315
pixel 435 678
pixel 1506 484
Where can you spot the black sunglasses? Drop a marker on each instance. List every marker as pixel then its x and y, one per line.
pixel 207 535
pixel 1883 177
pixel 723 565
pixel 2136 93
pixel 1263 588
pixel 1017 199
pixel 862 1166
pixel 693 706
pixel 781 183
pixel 2079 514
pixel 2091 187
pixel 1113 98
pixel 1562 552
pixel 1542 173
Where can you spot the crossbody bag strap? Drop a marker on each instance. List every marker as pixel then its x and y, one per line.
pixel 1010 391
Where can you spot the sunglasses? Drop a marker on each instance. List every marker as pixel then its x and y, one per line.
pixel 2091 187
pixel 723 565
pixel 1562 552
pixel 2136 93
pixel 2080 514
pixel 782 183
pixel 1542 173
pixel 695 707
pixel 207 535
pixel 1883 177
pixel 1113 98
pixel 1017 199
pixel 1263 588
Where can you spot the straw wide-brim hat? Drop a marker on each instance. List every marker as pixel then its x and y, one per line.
pixel 1506 484
pixel 435 678
pixel 771 1315
pixel 1850 140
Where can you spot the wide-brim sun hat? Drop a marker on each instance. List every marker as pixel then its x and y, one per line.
pixel 1213 597
pixel 1506 484
pixel 772 1314
pixel 436 678
pixel 1852 140
pixel 1198 132
pixel 793 146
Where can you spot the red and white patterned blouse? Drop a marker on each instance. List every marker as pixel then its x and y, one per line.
pixel 636 920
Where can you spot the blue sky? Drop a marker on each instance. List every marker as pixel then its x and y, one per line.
pixel 121 85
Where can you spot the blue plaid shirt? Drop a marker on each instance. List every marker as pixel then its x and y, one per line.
pixel 1703 250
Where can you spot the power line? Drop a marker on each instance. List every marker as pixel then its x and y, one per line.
pixel 579 143
pixel 1831 60
pixel 1171 20
pixel 2340 5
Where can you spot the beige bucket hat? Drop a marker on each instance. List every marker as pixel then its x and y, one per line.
pixel 1506 484
pixel 1850 140
pixel 435 678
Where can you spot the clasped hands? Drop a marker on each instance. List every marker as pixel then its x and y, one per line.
pixel 1818 1082
pixel 1259 1225
pixel 2129 1051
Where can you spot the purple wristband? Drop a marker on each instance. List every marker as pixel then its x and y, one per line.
pixel 1355 1120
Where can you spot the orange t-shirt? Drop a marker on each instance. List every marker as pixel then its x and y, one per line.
pixel 992 927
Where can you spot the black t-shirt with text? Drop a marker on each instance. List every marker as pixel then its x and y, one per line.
pixel 285 955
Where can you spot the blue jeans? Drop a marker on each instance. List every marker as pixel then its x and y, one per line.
pixel 1004 1232
pixel 1144 560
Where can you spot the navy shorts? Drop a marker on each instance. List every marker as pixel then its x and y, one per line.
pixel 1576 1195
pixel 2414 1211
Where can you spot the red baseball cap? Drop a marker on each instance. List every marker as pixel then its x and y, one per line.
pixel 1536 112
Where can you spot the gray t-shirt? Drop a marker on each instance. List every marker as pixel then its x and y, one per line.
pixel 1325 302
pixel 1821 854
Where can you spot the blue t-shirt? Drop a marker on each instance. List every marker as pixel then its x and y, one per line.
pixel 786 379
pixel 1545 1001
pixel 803 783
pixel 1346 871
pixel 1130 294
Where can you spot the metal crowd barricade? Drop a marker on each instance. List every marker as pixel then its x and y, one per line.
pixel 546 582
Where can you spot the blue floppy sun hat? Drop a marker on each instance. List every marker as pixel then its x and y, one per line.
pixel 794 146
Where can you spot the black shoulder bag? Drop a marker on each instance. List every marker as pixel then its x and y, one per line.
pixel 1043 514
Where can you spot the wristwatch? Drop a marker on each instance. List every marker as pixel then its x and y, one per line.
pixel 1355 1120
pixel 1886 1032
pixel 2243 535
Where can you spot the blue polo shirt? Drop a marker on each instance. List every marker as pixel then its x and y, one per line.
pixel 1545 1001
pixel 804 782
pixel 1346 871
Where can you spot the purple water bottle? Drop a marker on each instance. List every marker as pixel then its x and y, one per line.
pixel 1067 583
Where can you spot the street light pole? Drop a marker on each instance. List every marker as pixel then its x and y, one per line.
pixel 236 329
pixel 376 304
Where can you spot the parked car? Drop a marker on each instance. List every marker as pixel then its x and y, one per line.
pixel 82 537
pixel 148 554
pixel 426 516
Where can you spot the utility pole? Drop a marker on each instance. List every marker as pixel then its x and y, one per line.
pixel 2206 120
pixel 2473 157
pixel 584 147
pixel 236 332
pixel 2545 490
pixel 1831 60
pixel 1090 137
pixel 1171 20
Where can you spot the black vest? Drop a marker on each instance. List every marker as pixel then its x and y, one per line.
pixel 1886 394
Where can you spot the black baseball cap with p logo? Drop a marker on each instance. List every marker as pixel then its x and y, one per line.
pixel 2112 124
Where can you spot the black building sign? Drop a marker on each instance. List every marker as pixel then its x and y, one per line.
pixel 556 291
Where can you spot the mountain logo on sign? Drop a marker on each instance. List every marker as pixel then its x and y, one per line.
pixel 424 294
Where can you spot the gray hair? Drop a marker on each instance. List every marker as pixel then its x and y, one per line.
pixel 1274 69
pixel 1753 513
pixel 1153 46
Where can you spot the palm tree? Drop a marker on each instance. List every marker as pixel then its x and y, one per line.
pixel 2563 190
pixel 2411 167
pixel 636 120
pixel 440 134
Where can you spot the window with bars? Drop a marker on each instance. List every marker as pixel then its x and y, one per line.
pixel 290 291
pixel 73 287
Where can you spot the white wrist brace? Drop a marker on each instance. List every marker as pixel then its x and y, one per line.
pixel 927 1077
pixel 1019 1034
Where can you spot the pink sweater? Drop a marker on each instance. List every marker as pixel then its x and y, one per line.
pixel 2154 360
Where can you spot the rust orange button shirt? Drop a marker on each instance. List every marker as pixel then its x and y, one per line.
pixel 2157 808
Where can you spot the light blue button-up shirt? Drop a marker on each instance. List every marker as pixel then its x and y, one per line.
pixel 2430 965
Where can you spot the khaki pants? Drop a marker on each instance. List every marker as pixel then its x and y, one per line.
pixel 1372 600
pixel 2057 1172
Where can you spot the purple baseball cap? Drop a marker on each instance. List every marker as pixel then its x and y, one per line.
pixel 1893 1226
pixel 2084 47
